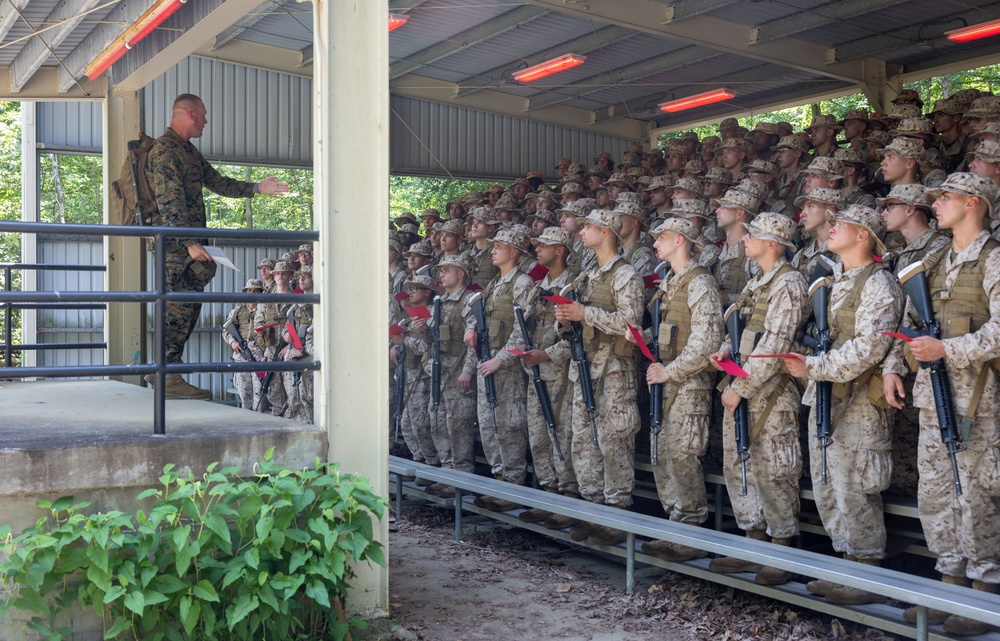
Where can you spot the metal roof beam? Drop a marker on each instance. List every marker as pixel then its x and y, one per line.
pixel 404 5
pixel 246 22
pixel 585 43
pixel 813 18
pixel 910 35
pixel 36 50
pixel 684 9
pixel 307 56
pixel 647 104
pixel 647 16
pixel 623 75
pixel 465 39
pixel 9 15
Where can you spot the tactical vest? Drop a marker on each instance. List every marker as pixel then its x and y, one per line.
pixel 499 308
pixel 842 328
pixel 453 329
pixel 415 361
pixel 913 256
pixel 966 307
pixel 542 324
pixel 675 320
pixel 753 306
pixel 274 313
pixel 485 270
pixel 602 297
pixel 735 278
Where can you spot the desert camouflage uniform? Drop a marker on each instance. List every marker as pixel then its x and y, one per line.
pixel 177 173
pixel 300 405
pixel 415 424
pixel 962 530
pixel 481 263
pixel 732 271
pixel 775 463
pixel 859 459
pixel 506 448
pixel 806 258
pixel 931 241
pixel 680 481
pixel 606 473
pixel 859 196
pixel 269 314
pixel 708 255
pixel 552 473
pixel 641 257
pixel 455 436
pixel 247 384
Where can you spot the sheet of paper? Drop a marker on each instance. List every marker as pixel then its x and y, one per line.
pixel 538 272
pixel 396 330
pixel 731 368
pixel 418 312
pixel 652 281
pixel 902 337
pixel 557 299
pixel 640 341
pixel 516 352
pixel 401 296
pixel 774 355
pixel 219 256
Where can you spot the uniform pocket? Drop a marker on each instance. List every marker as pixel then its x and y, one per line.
pixel 786 459
pixel 874 470
pixel 989 472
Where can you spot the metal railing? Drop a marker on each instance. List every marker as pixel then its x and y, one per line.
pixel 159 297
pixel 8 313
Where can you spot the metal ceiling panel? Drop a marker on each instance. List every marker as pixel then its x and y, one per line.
pixel 288 27
pixel 70 126
pixel 36 12
pixel 429 25
pixel 754 13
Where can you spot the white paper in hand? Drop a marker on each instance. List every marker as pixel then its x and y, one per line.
pixel 219 256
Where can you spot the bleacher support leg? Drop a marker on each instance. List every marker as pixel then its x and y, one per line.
pixel 399 497
pixel 629 563
pixel 922 632
pixel 718 507
pixel 458 514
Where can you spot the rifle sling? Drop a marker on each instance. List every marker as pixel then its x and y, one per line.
pixel 759 423
pixel 862 382
pixel 977 395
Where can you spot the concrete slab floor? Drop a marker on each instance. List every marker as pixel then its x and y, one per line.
pixel 33 413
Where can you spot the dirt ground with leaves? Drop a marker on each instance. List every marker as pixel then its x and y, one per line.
pixel 502 582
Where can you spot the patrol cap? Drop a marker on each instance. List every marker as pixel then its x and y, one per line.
pixel 771 226
pixel 604 218
pixel 660 182
pixel 453 261
pixel 824 195
pixel 903 147
pixel 791 142
pixel 283 266
pixel 908 95
pixel 422 281
pixel 966 96
pixel 968 184
pixel 911 194
pixel 456 227
pixel 516 238
pixel 738 199
pixel 863 217
pixel 679 226
pixel 719 176
pixel 824 120
pixel 555 236
pixel 689 208
pixel 829 168
pixel 254 283
pixel 266 262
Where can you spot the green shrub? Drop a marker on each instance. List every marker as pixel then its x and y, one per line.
pixel 216 557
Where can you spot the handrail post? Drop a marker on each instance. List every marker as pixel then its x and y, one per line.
pixel 159 333
pixel 8 319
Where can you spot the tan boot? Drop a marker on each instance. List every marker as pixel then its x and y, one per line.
pixel 773 576
pixel 582 531
pixel 965 627
pixel 936 617
pixel 731 564
pixel 843 595
pixel 534 515
pixel 606 536
pixel 559 522
pixel 677 553
pixel 177 388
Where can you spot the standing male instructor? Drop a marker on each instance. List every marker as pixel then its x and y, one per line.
pixel 177 173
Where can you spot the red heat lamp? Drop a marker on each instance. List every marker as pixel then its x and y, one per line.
pixel 975 32
pixel 139 29
pixel 549 67
pixel 697 100
pixel 397 20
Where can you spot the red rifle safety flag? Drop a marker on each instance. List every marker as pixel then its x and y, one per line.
pixel 294 335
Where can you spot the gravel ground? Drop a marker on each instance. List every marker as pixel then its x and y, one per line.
pixel 502 582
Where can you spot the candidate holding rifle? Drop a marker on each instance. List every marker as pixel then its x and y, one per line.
pixel 610 296
pixel 958 307
pixel 774 306
pixel 503 425
pixel 686 308
pixel 238 333
pixel 269 324
pixel 298 334
pixel 865 301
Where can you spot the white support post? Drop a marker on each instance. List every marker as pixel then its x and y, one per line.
pixel 350 111
pixel 30 188
pixel 124 323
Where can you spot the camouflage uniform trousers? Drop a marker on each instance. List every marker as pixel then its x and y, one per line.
pixel 299 402
pixel 184 274
pixel 859 469
pixel 905 432
pixel 680 480
pixel 962 530
pixel 415 425
pixel 455 439
pixel 606 473
pixel 506 449
pixel 277 398
pixel 773 472
pixel 247 386
pixel 553 474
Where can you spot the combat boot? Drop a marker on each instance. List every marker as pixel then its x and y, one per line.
pixel 965 627
pixel 534 515
pixel 773 576
pixel 177 388
pixel 559 522
pixel 731 564
pixel 582 531
pixel 606 536
pixel 936 617
pixel 673 552
pixel 843 595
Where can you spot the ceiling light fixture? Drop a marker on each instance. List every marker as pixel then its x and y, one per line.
pixel 975 32
pixel 397 20
pixel 549 67
pixel 138 30
pixel 697 100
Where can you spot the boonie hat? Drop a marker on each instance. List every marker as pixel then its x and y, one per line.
pixel 968 184
pixel 771 226
pixel 863 217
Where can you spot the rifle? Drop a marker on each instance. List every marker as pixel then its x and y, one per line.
pixel 234 331
pixel 656 390
pixel 819 294
pixel 914 282
pixel 400 386
pixel 266 383
pixel 484 354
pixel 582 365
pixel 436 362
pixel 822 269
pixel 133 165
pixel 741 417
pixel 540 387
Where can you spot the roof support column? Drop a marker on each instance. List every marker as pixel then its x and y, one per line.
pixel 124 323
pixel 881 83
pixel 350 112
pixel 30 198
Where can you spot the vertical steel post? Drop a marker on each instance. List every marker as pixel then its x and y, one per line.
pixel 399 497
pixel 159 333
pixel 8 319
pixel 922 631
pixel 630 562
pixel 458 514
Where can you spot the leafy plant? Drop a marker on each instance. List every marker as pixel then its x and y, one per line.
pixel 217 557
